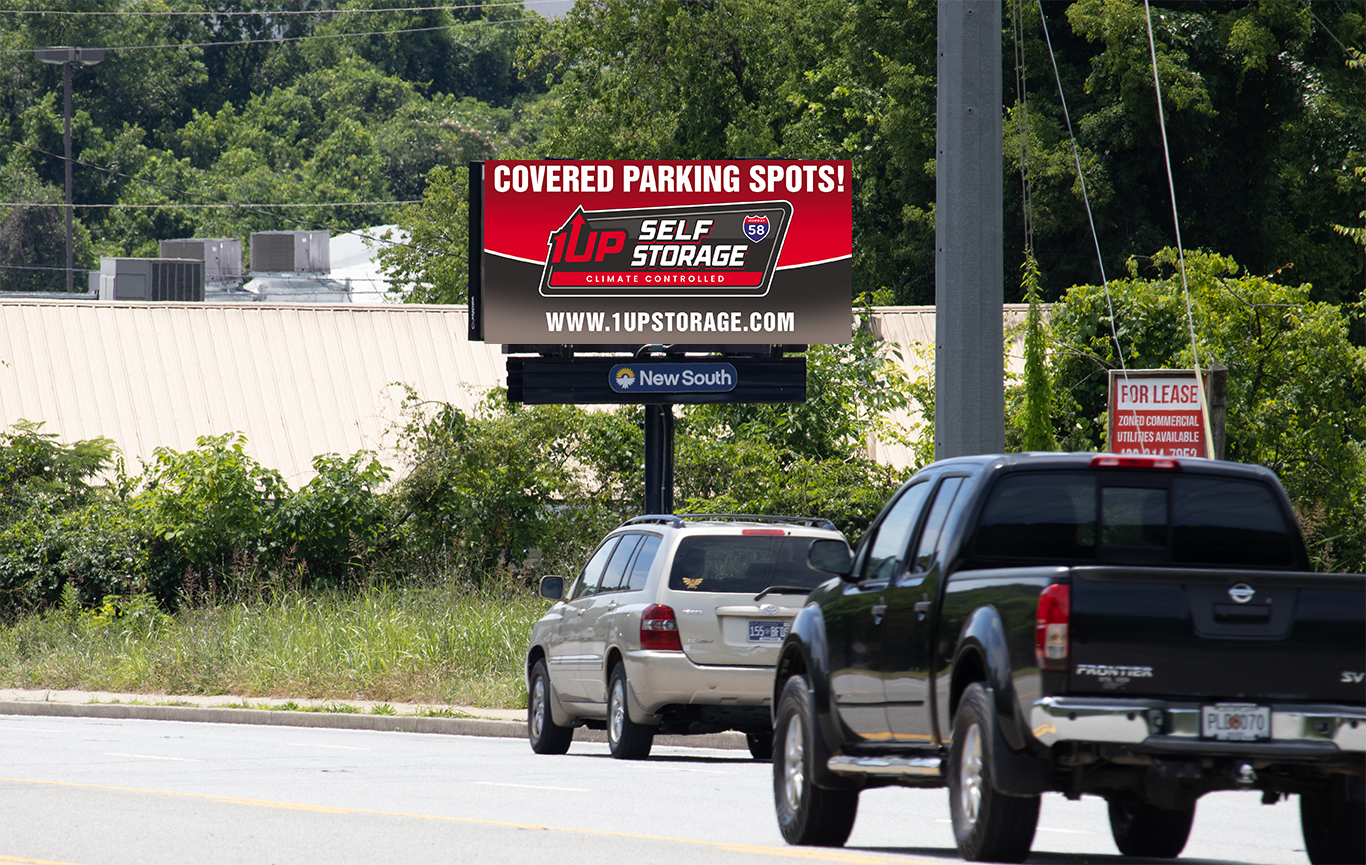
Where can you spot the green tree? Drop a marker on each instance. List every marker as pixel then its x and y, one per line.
pixel 429 261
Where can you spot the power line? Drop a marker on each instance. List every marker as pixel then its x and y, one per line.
pixel 252 208
pixel 268 13
pixel 169 206
pixel 283 39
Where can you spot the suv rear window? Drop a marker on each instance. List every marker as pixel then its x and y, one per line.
pixel 743 564
pixel 1135 518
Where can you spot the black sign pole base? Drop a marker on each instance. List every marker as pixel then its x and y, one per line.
pixel 659 459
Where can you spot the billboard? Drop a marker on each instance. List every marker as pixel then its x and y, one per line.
pixel 586 252
pixel 1156 412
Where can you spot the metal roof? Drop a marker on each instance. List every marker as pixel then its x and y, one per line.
pixel 298 380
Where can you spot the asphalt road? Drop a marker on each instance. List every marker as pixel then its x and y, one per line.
pixel 100 792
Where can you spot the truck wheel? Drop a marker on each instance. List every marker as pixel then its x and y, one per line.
pixel 546 736
pixel 1334 827
pixel 760 745
pixel 989 826
pixel 1141 829
pixel 626 739
pixel 807 814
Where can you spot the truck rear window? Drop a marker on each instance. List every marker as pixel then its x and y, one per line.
pixel 743 564
pixel 1135 518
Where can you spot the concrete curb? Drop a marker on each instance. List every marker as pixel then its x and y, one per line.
pixel 335 721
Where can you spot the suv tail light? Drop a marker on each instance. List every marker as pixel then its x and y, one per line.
pixel 1052 643
pixel 659 629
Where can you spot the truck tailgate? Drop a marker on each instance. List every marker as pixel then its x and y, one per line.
pixel 1223 634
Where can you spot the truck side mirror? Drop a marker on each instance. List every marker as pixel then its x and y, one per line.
pixel 833 557
pixel 552 588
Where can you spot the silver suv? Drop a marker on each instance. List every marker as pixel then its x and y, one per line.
pixel 673 626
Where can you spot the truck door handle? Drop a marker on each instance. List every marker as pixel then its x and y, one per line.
pixel 879 610
pixel 922 607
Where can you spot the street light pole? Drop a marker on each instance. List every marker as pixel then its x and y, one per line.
pixel 65 57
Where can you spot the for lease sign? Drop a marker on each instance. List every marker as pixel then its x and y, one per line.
pixel 1156 412
pixel 610 252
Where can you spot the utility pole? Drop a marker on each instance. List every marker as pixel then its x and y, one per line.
pixel 65 57
pixel 969 388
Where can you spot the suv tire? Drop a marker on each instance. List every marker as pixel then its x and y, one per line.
pixel 626 739
pixel 987 825
pixel 1141 829
pixel 546 736
pixel 1334 826
pixel 807 814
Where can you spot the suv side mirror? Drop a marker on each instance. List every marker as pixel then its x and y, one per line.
pixel 552 588
pixel 830 556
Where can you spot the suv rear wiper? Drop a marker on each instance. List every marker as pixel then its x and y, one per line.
pixel 786 590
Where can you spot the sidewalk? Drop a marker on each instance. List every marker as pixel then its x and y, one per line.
pixel 334 714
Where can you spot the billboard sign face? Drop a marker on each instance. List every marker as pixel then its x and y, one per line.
pixel 702 377
pixel 612 252
pixel 1156 412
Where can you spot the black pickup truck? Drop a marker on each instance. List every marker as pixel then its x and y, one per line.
pixel 1137 628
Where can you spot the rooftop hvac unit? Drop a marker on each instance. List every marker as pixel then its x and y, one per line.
pixel 290 252
pixel 222 256
pixel 157 280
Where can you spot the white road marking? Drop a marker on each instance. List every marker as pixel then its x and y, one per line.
pixel 339 747
pixel 1065 831
pixel 532 787
pixel 152 757
pixel 31 729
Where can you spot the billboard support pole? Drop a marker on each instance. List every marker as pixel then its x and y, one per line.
pixel 659 459
pixel 969 274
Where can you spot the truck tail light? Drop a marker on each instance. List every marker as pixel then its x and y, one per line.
pixel 1112 461
pixel 1052 643
pixel 659 629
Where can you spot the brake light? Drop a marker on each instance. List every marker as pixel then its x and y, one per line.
pixel 1051 640
pixel 1110 461
pixel 778 532
pixel 659 629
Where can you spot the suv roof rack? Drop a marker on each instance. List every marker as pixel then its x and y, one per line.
pixel 810 522
pixel 664 519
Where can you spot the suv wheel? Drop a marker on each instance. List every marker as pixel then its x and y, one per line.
pixel 1334 826
pixel 807 814
pixel 626 739
pixel 987 825
pixel 546 736
pixel 1141 829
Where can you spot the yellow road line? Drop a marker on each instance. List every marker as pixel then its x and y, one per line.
pixel 20 860
pixel 813 854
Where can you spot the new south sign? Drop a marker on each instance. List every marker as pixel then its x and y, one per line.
pixel 702 377
pixel 663 252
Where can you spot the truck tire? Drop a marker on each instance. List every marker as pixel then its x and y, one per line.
pixel 988 826
pixel 546 736
pixel 1334 827
pixel 807 814
pixel 626 739
pixel 1145 830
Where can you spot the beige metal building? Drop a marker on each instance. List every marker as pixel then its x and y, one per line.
pixel 297 380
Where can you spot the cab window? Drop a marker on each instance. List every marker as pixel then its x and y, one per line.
pixel 887 553
pixel 934 524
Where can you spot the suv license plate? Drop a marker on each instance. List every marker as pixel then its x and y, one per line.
pixel 1235 722
pixel 768 632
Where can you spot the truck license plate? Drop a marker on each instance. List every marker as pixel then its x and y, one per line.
pixel 1235 722
pixel 768 632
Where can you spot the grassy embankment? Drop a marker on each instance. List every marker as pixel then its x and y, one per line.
pixel 436 644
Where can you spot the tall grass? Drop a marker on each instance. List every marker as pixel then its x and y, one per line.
pixel 439 643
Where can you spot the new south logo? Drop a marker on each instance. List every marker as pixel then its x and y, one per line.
pixel 625 378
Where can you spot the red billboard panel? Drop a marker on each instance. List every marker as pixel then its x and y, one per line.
pixel 1156 412
pixel 674 252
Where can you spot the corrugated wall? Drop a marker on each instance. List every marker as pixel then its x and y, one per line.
pixel 298 380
